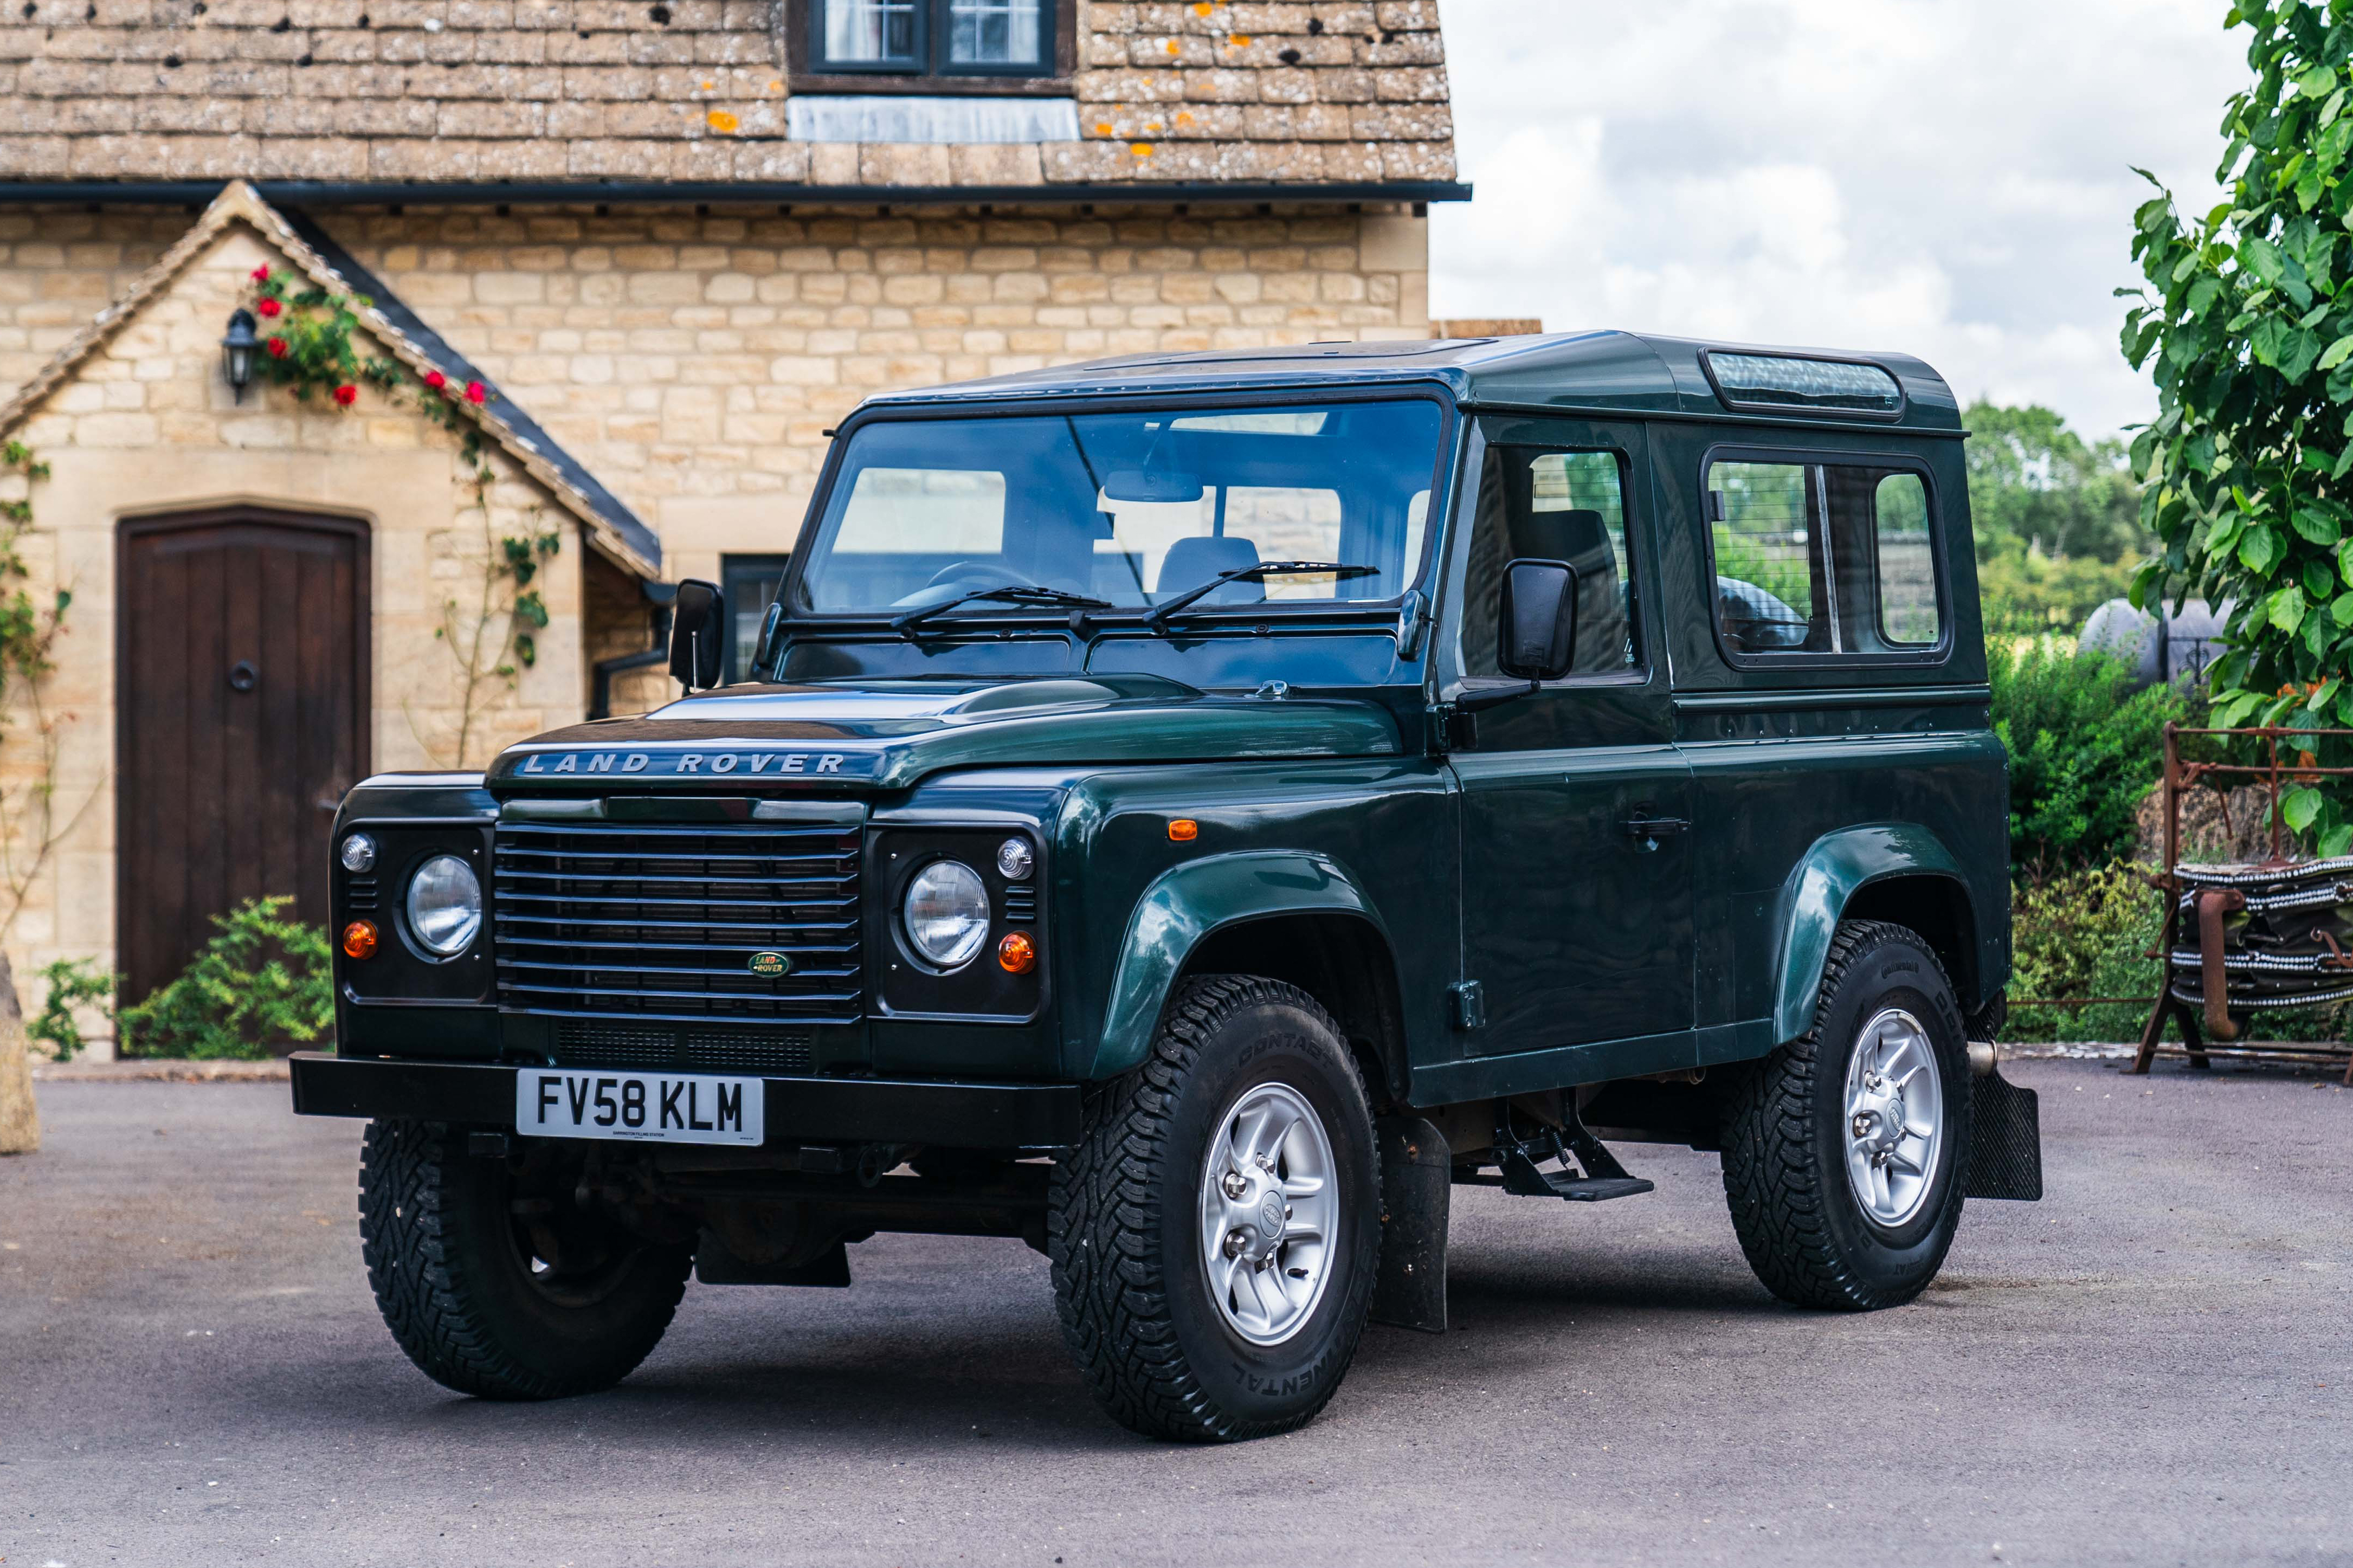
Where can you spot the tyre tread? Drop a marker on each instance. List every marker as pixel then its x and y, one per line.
pixel 1109 1290
pixel 1775 1186
pixel 422 1288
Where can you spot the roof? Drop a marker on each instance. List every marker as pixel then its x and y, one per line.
pixel 591 96
pixel 611 525
pixel 1616 371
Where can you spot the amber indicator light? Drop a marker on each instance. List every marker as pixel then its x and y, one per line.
pixel 1017 953
pixel 359 939
pixel 1184 830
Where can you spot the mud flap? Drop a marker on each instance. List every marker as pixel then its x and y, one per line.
pixel 2007 1159
pixel 1416 1180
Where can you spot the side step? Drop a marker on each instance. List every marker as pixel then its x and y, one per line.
pixel 1604 1178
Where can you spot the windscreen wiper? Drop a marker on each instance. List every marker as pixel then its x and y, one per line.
pixel 1158 619
pixel 1024 593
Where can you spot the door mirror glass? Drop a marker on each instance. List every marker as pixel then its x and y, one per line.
pixel 1537 620
pixel 697 629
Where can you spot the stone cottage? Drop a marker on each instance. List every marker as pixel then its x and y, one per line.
pixel 667 246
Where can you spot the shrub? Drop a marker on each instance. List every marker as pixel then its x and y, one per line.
pixel 2084 750
pixel 73 982
pixel 264 980
pixel 2083 933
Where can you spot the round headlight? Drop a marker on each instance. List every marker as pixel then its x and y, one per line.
pixel 445 905
pixel 947 914
pixel 359 853
pixel 1015 858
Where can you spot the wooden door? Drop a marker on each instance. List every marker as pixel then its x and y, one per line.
pixel 242 703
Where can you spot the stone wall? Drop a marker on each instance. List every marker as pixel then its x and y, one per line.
pixel 147 425
pixel 694 360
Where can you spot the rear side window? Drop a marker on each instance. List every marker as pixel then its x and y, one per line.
pixel 1823 559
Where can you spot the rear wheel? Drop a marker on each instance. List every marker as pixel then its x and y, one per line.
pixel 1215 1235
pixel 1843 1152
pixel 494 1278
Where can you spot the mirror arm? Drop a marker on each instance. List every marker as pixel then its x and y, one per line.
pixel 1479 699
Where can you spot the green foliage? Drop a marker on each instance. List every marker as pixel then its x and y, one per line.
pixel 264 980
pixel 2084 750
pixel 30 827
pixel 2246 324
pixel 2084 932
pixel 2057 519
pixel 73 982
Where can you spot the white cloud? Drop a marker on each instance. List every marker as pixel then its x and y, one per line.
pixel 1954 179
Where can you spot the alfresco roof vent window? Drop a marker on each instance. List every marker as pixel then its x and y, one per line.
pixel 1783 381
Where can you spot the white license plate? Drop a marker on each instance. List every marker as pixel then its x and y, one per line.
pixel 638 1106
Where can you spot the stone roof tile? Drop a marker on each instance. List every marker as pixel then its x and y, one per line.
pixel 592 90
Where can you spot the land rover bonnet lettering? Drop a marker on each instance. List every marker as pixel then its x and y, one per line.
pixel 684 762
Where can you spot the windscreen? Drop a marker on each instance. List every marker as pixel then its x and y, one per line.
pixel 1132 509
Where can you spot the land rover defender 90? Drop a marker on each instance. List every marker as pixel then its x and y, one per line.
pixel 1191 813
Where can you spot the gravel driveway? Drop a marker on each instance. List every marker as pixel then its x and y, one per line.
pixel 2152 1365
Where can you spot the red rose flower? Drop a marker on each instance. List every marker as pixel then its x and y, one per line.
pixel 277 347
pixel 267 307
pixel 475 391
pixel 437 381
pixel 261 273
pixel 346 395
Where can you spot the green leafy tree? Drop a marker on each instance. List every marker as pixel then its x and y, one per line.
pixel 2057 519
pixel 2247 322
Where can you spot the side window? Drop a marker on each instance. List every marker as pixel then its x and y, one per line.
pixel 1822 558
pixel 1552 505
pixel 1908 616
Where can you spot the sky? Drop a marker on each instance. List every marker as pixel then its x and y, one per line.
pixel 1952 178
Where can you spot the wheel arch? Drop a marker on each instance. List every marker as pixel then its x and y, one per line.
pixel 1293 916
pixel 1898 872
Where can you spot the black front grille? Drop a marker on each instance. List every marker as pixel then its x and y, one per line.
pixel 665 922
pixel 594 1043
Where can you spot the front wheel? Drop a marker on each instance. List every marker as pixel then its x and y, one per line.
pixel 1845 1150
pixel 1215 1235
pixel 491 1276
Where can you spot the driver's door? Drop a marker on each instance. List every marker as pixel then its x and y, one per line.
pixel 1577 854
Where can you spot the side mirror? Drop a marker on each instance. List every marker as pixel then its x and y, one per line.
pixel 698 622
pixel 1536 622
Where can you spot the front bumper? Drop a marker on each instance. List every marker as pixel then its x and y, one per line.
pixel 822 1110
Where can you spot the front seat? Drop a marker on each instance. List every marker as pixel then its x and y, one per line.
pixel 1193 562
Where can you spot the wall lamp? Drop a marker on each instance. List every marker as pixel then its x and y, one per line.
pixel 236 352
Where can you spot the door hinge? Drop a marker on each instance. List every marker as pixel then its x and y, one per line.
pixel 1451 730
pixel 1470 1005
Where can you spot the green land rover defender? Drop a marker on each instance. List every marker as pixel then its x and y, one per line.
pixel 1189 813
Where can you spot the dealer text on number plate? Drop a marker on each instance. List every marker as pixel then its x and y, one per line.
pixel 638 1106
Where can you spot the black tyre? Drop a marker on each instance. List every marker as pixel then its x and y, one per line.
pixel 1843 1150
pixel 1215 1235
pixel 492 1277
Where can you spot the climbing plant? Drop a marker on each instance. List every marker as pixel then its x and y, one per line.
pixel 494 637
pixel 31 825
pixel 308 346
pixel 2246 321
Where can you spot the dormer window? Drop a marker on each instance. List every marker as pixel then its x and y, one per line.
pixel 929 40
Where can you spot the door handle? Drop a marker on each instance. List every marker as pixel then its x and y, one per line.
pixel 1650 829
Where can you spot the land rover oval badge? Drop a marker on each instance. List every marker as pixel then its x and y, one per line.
pixel 770 965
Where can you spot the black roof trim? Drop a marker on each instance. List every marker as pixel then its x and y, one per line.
pixel 286 193
pixel 606 505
